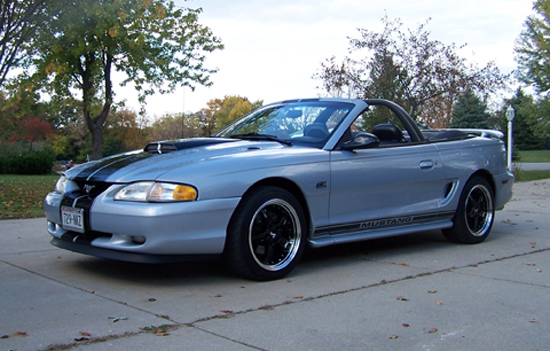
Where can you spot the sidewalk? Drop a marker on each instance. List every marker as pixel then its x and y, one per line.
pixel 527 166
pixel 416 292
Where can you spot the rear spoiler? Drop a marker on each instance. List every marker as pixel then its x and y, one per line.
pixel 485 133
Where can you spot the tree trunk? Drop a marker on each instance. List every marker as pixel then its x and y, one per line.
pixel 97 140
pixel 95 124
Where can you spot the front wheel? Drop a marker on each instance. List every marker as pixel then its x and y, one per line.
pixel 266 235
pixel 475 214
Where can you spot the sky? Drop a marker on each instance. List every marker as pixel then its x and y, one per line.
pixel 274 47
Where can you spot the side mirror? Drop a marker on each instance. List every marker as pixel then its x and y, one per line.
pixel 361 141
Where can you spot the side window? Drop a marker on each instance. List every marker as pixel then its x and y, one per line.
pixel 382 122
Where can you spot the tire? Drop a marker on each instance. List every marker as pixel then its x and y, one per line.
pixel 475 214
pixel 266 235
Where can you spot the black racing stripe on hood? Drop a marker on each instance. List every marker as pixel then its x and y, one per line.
pixel 100 170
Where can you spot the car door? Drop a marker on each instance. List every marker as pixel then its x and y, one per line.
pixel 388 186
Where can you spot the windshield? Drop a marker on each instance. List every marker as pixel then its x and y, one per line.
pixel 308 122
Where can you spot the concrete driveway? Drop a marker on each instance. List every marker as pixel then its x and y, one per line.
pixel 416 292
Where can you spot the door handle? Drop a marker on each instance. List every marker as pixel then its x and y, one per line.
pixel 427 164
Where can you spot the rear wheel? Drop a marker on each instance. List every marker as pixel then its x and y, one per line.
pixel 475 214
pixel 266 235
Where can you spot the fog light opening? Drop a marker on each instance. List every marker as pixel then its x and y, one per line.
pixel 138 239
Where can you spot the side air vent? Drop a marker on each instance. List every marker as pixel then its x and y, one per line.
pixel 449 192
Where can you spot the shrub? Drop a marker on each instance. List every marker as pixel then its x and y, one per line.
pixel 15 161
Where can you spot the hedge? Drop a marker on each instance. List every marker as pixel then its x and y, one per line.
pixel 27 162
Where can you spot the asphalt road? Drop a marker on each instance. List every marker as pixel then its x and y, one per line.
pixel 416 292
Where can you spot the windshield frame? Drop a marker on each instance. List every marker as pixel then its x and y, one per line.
pixel 309 122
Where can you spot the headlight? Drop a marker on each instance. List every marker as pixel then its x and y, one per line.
pixel 156 192
pixel 61 185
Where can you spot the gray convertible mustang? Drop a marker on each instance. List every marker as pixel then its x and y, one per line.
pixel 298 173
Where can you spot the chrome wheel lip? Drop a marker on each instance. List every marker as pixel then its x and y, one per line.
pixel 295 240
pixel 479 205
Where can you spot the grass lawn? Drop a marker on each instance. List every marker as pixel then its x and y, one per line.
pixel 534 156
pixel 21 196
pixel 527 176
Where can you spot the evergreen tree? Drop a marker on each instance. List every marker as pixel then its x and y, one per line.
pixel 532 48
pixel 470 112
pixel 524 136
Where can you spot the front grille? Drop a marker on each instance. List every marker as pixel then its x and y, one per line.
pixel 84 197
pixel 93 189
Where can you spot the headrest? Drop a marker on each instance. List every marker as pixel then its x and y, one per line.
pixel 387 132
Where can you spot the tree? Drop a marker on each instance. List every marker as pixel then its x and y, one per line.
pixel 470 112
pixel 231 109
pixel 19 20
pixel 224 111
pixel 533 57
pixel 407 67
pixel 526 135
pixel 154 44
pixel 123 132
pixel 32 129
pixel 533 48
pixel 23 119
pixel 539 120
pixel 176 126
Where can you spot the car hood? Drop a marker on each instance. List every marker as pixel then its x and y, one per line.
pixel 194 157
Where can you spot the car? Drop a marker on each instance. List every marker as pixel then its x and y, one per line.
pixel 297 174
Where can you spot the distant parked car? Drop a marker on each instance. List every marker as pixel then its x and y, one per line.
pixel 309 172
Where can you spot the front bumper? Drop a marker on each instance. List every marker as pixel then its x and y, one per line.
pixel 130 231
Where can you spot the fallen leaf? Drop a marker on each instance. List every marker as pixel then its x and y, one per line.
pixel 433 330
pixel 401 298
pixel 298 297
pixel 20 334
pixel 533 321
pixel 161 332
pixel 81 339
pixel 85 334
pixel 226 311
pixel 439 303
pixel 393 337
pixel 539 270
pixel 404 264
pixel 432 291
pixel 533 244
pixel 531 264
pixel 152 299
pixel 406 325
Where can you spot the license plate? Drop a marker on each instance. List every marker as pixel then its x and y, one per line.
pixel 73 219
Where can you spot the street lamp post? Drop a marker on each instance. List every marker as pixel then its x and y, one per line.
pixel 510 114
